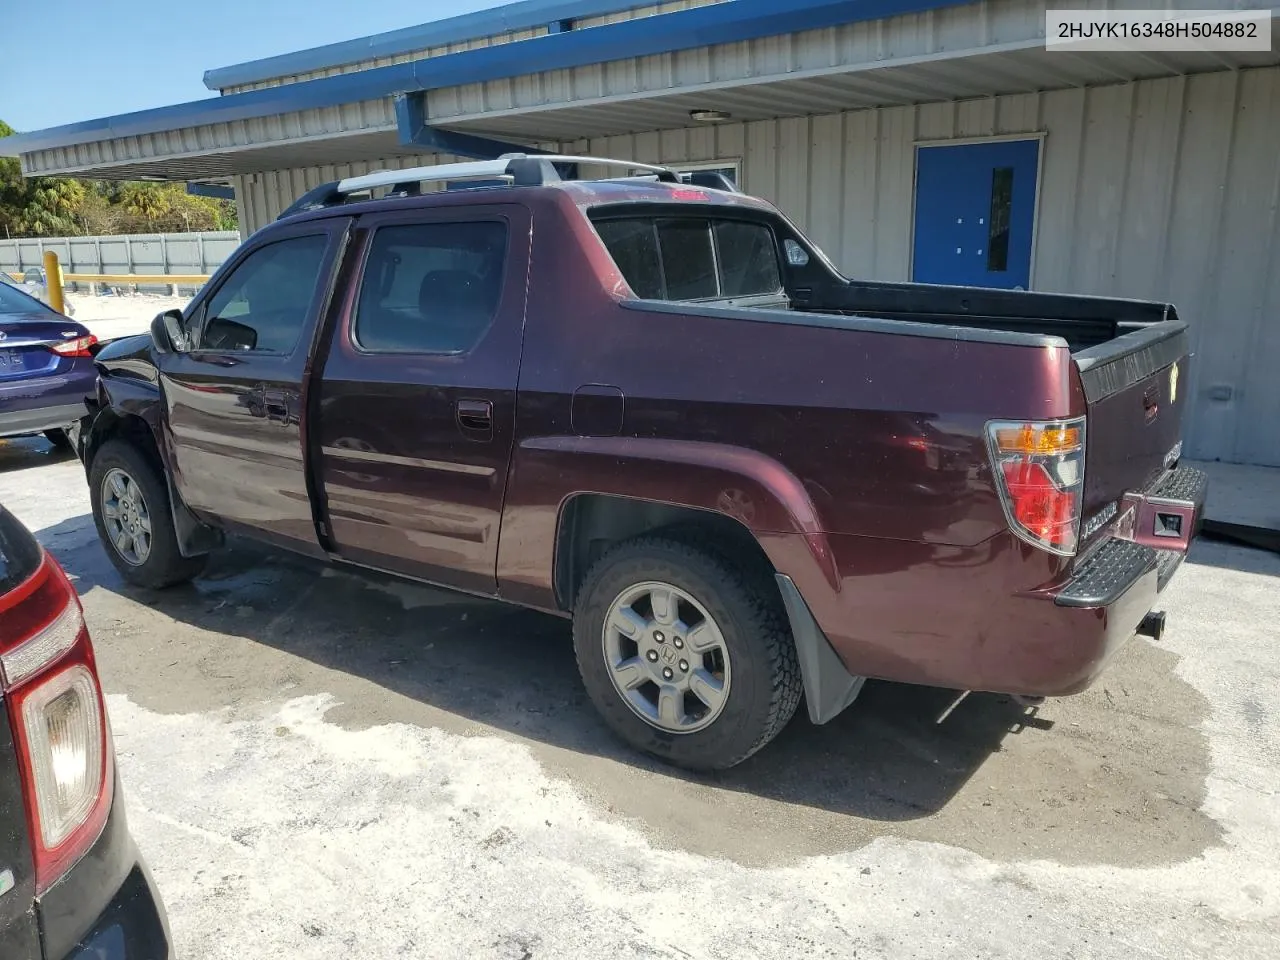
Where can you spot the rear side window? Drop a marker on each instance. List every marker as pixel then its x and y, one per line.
pixel 690 258
pixel 748 259
pixel 633 244
pixel 13 300
pixel 19 553
pixel 430 287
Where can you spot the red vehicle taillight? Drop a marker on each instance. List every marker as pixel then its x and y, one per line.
pixel 1039 471
pixel 79 347
pixel 59 724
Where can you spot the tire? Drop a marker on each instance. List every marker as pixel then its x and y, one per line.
pixel 758 672
pixel 58 438
pixel 162 563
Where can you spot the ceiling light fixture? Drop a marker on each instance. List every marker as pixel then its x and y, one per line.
pixel 710 116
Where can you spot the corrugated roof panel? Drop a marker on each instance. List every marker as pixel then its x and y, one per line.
pixel 498 22
pixel 724 24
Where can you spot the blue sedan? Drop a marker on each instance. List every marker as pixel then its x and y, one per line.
pixel 46 367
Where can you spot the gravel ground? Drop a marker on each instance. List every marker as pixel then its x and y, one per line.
pixel 121 316
pixel 319 765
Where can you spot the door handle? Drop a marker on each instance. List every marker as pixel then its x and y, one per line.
pixel 474 414
pixel 272 403
pixel 276 403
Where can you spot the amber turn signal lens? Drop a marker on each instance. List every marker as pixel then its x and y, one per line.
pixel 1034 439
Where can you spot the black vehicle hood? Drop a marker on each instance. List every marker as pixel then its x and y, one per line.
pixel 136 347
pixel 128 357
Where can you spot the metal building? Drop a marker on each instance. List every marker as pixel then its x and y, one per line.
pixel 912 139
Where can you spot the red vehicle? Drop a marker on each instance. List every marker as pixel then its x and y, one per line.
pixel 656 408
pixel 72 885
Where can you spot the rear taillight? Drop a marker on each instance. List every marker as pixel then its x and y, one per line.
pixel 1039 472
pixel 55 709
pixel 79 347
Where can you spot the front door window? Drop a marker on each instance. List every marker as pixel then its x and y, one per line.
pixel 264 304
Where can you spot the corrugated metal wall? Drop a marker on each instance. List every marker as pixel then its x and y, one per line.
pixel 142 253
pixel 1165 189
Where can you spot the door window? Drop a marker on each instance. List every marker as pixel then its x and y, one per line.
pixel 998 228
pixel 263 305
pixel 430 287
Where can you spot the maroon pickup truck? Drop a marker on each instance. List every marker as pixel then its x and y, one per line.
pixel 654 407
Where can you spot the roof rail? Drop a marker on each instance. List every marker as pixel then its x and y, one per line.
pixel 516 169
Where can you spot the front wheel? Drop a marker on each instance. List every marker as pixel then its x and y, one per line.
pixel 131 511
pixel 686 656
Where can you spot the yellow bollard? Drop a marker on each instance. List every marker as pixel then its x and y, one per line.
pixel 53 280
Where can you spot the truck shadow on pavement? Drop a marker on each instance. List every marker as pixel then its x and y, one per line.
pixel 884 761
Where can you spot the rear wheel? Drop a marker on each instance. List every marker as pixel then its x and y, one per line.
pixel 131 511
pixel 685 655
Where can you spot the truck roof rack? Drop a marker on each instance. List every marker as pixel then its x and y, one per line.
pixel 514 169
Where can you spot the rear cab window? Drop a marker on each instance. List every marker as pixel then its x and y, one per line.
pixel 692 257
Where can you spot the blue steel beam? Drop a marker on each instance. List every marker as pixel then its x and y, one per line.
pixel 215 190
pixel 415 131
pixel 720 23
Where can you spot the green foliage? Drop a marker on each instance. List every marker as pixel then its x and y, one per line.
pixel 62 207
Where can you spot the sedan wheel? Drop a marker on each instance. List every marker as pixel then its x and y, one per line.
pixel 126 516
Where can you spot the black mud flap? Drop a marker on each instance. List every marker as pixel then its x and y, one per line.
pixel 828 686
pixel 195 537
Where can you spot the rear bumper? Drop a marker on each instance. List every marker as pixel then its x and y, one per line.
pixel 949 617
pixel 132 927
pixel 106 907
pixel 49 402
pixel 1105 601
pixel 17 423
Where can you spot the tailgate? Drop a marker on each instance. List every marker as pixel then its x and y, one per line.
pixel 1136 389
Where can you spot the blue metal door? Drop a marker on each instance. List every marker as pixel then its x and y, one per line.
pixel 975 211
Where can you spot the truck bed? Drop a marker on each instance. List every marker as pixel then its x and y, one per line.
pixel 1084 322
pixel 1124 353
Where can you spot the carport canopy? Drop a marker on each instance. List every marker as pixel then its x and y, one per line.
pixel 750 59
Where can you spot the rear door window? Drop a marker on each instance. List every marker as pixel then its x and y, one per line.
pixel 430 287
pixel 692 258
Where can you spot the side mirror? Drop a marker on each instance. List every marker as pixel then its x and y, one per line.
pixel 168 333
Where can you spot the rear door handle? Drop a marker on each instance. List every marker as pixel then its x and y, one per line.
pixel 474 414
